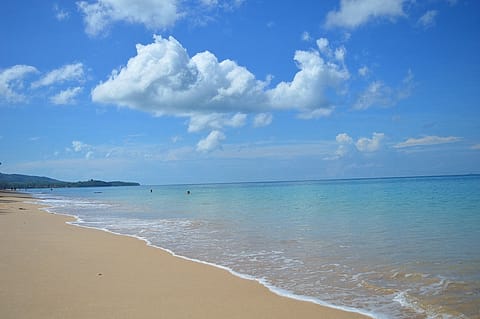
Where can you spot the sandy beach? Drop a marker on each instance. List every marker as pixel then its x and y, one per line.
pixel 49 269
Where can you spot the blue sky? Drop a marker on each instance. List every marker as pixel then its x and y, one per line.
pixel 169 91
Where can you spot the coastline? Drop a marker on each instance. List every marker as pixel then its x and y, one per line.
pixel 50 269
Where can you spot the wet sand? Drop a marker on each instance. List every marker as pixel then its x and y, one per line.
pixel 49 269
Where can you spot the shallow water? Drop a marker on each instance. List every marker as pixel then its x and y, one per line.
pixel 395 248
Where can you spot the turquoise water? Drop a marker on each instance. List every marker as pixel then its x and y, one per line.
pixel 393 248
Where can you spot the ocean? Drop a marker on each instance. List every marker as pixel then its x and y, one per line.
pixel 390 247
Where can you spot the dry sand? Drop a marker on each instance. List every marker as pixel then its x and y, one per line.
pixel 49 269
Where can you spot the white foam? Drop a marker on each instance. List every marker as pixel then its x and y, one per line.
pixel 276 290
pixel 409 302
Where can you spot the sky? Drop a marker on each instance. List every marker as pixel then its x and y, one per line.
pixel 198 91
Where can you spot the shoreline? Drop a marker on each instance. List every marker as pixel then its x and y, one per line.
pixel 190 288
pixel 273 289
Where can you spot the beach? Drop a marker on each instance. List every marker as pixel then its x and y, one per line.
pixel 50 269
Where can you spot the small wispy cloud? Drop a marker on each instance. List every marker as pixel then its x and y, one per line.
pixel 363 71
pixel 211 142
pixel 262 119
pixel 428 19
pixel 346 144
pixel 154 14
pixel 60 14
pixel 79 146
pixel 475 147
pixel 175 139
pixel 216 121
pixel 378 94
pixel 12 82
pixel 353 14
pixel 68 72
pixel 66 96
pixel 316 113
pixel 306 36
pixel 427 141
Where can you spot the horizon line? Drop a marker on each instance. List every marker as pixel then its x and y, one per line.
pixel 316 180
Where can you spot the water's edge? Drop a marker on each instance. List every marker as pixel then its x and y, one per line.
pixel 278 291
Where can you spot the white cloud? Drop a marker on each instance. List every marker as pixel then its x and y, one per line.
pixel 316 113
pixel 427 140
pixel 79 146
pixel 307 89
pixel 337 54
pixel 262 119
pixel 11 82
pixel 428 19
pixel 306 36
pixel 60 14
pixel 323 45
pixel 353 13
pixel 175 139
pixel 346 145
pixel 154 14
pixel 211 142
pixel 406 87
pixel 343 138
pixel 378 94
pixel 162 79
pixel 199 122
pixel 363 71
pixel 340 53
pixel 369 145
pixel 238 120
pixel 85 149
pixel 66 96
pixel 132 151
pixel 202 12
pixel 344 142
pixel 231 4
pixel 69 72
pixel 270 24
pixel 475 147
pixel 222 4
pixel 209 3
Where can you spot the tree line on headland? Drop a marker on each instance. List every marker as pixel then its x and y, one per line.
pixel 14 181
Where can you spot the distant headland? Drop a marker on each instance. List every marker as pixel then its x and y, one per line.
pixel 14 181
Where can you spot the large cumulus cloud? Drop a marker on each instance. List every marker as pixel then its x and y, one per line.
pixel 164 80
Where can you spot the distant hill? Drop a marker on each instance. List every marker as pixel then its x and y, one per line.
pixel 27 181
